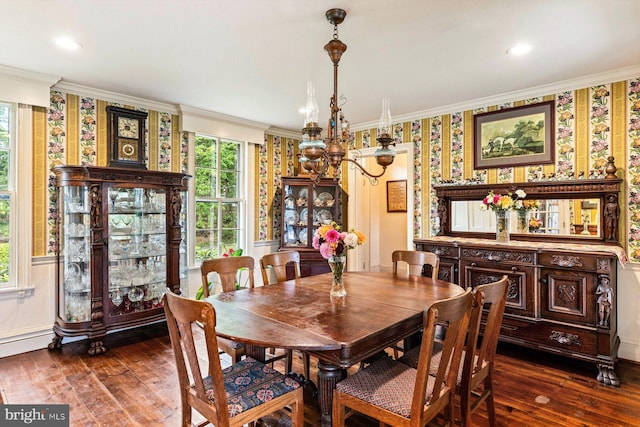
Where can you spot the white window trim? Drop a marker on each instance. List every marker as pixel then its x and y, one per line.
pixel 246 204
pixel 21 227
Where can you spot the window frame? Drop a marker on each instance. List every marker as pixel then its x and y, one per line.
pixel 21 141
pixel 240 199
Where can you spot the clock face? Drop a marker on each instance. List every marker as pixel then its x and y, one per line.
pixel 127 127
pixel 127 149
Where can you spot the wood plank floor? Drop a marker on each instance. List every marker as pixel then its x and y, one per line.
pixel 135 384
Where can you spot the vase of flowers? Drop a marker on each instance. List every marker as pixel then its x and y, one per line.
pixel 523 207
pixel 534 224
pixel 502 204
pixel 333 245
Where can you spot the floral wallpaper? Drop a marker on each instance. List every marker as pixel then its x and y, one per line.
pixel 633 174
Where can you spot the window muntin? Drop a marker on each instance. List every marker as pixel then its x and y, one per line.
pixel 219 207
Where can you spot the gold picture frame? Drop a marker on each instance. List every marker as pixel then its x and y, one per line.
pixel 514 136
pixel 397 196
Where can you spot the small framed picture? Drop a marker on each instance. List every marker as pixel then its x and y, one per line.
pixel 397 196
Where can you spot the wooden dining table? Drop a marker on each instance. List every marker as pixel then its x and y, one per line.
pixel 379 310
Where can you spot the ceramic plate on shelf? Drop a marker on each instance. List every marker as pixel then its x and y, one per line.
pixel 325 216
pixel 303 193
pixel 290 217
pixel 291 238
pixel 303 216
pixel 303 236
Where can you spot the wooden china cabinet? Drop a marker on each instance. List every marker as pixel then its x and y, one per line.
pixel 562 287
pixel 119 246
pixel 305 207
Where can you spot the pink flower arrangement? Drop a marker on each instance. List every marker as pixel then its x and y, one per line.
pixel 331 241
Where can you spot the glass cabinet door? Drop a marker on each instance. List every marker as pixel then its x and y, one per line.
pixel 137 267
pixel 74 255
pixel 306 208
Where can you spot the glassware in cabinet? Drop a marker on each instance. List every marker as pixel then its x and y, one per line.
pixel 118 248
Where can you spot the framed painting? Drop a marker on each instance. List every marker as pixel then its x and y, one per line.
pixel 397 196
pixel 514 136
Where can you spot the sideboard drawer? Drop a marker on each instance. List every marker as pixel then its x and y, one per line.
pixel 582 262
pixel 498 255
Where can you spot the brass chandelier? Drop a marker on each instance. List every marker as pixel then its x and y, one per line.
pixel 316 154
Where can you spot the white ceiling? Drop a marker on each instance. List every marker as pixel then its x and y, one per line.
pixel 252 58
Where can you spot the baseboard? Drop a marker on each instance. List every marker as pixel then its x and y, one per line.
pixel 629 351
pixel 28 341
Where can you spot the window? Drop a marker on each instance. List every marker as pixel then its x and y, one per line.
pixel 7 195
pixel 219 194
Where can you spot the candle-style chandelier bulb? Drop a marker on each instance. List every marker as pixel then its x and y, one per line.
pixel 384 124
pixel 311 108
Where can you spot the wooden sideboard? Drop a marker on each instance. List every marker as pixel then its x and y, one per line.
pixel 561 297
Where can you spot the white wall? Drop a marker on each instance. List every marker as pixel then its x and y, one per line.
pixel 629 312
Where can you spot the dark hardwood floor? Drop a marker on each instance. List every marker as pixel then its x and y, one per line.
pixel 135 384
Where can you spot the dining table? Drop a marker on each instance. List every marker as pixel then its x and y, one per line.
pixel 380 309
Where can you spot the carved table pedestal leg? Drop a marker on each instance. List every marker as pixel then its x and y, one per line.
pixel 328 377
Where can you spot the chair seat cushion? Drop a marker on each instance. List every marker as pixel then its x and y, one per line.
pixel 411 357
pixel 250 383
pixel 385 383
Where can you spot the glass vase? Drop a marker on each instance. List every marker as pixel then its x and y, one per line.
pixel 337 264
pixel 502 226
pixel 523 222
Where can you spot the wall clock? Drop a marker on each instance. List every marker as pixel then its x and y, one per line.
pixel 126 137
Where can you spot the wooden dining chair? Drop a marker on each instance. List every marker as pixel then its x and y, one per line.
pixel 398 395
pixel 474 384
pixel 227 269
pixel 416 261
pixel 224 397
pixel 274 266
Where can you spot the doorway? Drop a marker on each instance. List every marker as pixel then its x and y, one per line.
pixel 367 211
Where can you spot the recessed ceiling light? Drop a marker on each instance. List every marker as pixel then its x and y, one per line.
pixel 520 49
pixel 67 43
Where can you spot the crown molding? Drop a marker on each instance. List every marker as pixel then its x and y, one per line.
pixel 284 132
pixel 206 114
pixel 542 90
pixel 29 76
pixel 115 97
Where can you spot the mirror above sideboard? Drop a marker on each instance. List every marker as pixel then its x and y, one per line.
pixel 584 210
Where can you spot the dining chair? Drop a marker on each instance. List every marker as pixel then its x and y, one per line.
pixel 398 395
pixel 416 261
pixel 227 269
pixel 234 396
pixel 474 384
pixel 277 263
pixel 274 266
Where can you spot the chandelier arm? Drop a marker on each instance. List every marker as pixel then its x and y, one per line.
pixel 362 169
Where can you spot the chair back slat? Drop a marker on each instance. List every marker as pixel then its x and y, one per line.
pixel 227 269
pixel 416 261
pixel 455 313
pixel 277 263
